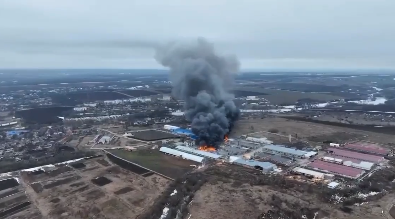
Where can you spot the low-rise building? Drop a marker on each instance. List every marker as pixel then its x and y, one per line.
pixel 181 154
pixel 264 166
pixel 199 152
pixel 309 173
pixel 289 152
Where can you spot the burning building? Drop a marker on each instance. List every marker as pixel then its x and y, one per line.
pixel 199 152
pixel 202 79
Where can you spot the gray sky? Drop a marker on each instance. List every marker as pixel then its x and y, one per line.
pixel 264 34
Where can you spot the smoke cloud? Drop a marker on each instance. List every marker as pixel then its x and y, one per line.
pixel 202 79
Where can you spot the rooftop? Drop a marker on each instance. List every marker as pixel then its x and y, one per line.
pixel 182 154
pixel 280 159
pixel 336 168
pixel 356 155
pixel 283 149
pixel 254 163
pixel 196 151
pixel 309 172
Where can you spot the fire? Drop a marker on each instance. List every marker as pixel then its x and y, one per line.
pixel 211 148
pixel 226 139
pixel 207 148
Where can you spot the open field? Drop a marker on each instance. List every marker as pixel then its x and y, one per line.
pixel 371 128
pixel 283 97
pixel 219 188
pixel 138 93
pixel 13 201
pixel 305 131
pixel 170 166
pixel 112 192
pixel 152 135
pixel 87 96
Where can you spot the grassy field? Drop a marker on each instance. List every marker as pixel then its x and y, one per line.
pixel 152 135
pixel 167 165
pixel 281 97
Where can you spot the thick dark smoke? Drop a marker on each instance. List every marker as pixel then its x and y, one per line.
pixel 202 79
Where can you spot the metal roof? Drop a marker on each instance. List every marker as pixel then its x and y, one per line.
pixel 181 154
pixel 309 172
pixel 279 159
pixel 282 149
pixel 336 168
pixel 199 152
pixel 350 162
pixel 185 132
pixel 254 163
pixel 356 155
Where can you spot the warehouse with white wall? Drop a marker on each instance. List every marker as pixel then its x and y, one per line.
pixel 181 154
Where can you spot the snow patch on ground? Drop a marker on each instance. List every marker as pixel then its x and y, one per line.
pixel 173 193
pixel 165 212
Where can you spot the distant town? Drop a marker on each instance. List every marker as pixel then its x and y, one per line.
pixel 125 140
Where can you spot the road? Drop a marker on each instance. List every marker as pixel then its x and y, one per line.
pixel 124 94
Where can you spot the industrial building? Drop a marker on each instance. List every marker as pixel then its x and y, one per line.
pixel 349 162
pixel 248 144
pixel 356 155
pixel 232 150
pixel 104 140
pixel 367 148
pixel 170 127
pixel 198 152
pixel 277 159
pixel 181 154
pixel 309 173
pixel 288 152
pixel 338 169
pixel 280 160
pixel 259 140
pixel 264 166
pixel 185 132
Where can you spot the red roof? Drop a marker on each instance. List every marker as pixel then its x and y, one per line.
pixel 356 155
pixel 336 168
pixel 370 148
pixel 347 159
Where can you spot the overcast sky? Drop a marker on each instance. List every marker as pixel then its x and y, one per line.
pixel 264 34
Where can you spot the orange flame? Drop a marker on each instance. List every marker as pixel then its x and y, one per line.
pixel 226 139
pixel 207 148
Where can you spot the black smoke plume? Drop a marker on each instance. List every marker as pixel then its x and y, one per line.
pixel 202 79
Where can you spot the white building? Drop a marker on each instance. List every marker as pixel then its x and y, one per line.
pixel 181 154
pixel 90 104
pixel 251 98
pixel 310 173
pixel 259 140
pixel 290 152
pixel 333 185
pixel 170 127
pixel 166 98
pixel 361 165
pixel 80 109
pixel 199 152
pixel 105 140
pixel 177 113
pixel 364 165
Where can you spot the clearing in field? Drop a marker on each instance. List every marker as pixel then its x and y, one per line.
pixel 283 97
pixel 170 166
pixel 152 135
pixel 91 191
pixel 305 131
